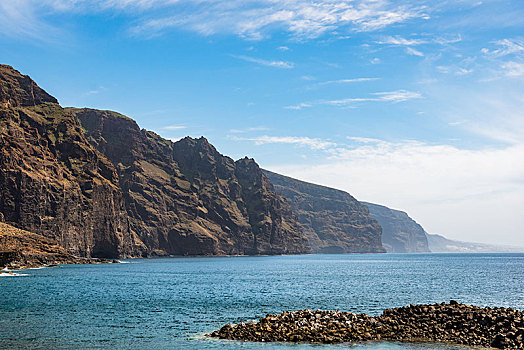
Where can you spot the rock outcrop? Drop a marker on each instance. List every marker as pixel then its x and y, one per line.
pixel 22 249
pixel 501 328
pixel 52 181
pixel 333 220
pixel 400 233
pixel 185 198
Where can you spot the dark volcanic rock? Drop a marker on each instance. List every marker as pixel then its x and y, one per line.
pixel 100 186
pixel 333 220
pixel 52 181
pixel 400 233
pixel 186 198
pixel 455 323
pixel 17 90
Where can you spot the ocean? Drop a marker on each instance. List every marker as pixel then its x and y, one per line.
pixel 170 303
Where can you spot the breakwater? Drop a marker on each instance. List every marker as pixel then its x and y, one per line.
pixel 452 322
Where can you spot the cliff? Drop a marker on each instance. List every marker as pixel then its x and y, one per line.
pixel 186 198
pixel 333 220
pixel 52 181
pixel 102 187
pixel 400 233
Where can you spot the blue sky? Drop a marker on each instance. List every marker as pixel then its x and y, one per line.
pixel 418 105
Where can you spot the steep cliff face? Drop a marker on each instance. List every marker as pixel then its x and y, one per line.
pixel 400 233
pixel 52 181
pixel 185 198
pixel 333 220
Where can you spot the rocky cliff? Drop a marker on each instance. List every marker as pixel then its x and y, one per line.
pixel 52 181
pixel 400 233
pixel 185 198
pixel 333 220
pixel 101 186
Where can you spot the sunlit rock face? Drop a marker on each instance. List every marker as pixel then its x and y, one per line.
pixel 101 186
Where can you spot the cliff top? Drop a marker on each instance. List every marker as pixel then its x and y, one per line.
pixel 18 90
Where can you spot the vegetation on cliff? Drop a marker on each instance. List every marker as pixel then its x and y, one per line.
pixel 187 198
pixel 52 181
pixel 102 187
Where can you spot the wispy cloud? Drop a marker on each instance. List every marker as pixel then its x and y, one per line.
pixel 505 47
pixel 268 63
pixel 250 129
pixel 255 19
pixel 400 41
pixel 445 40
pixel 313 143
pixel 299 106
pixel 411 51
pixel 173 127
pixel 345 81
pixel 390 96
pixel 513 69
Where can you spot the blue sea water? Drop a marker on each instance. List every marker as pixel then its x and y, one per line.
pixel 170 303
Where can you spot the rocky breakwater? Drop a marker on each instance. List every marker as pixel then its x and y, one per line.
pixel 454 323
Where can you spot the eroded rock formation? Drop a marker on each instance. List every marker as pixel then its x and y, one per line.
pixel 101 186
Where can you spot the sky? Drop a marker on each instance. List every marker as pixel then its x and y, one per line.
pixel 414 104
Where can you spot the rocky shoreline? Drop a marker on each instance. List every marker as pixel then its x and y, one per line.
pixel 21 263
pixel 20 249
pixel 453 323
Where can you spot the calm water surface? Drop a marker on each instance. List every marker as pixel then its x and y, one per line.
pixel 170 303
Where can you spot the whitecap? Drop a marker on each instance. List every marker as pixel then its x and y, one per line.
pixel 13 274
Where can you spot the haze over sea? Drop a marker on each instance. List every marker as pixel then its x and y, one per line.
pixel 170 303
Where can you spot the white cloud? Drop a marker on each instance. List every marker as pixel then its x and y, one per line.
pixel 344 81
pixel 442 40
pixel 450 190
pixel 400 41
pixel 513 69
pixel 173 127
pixel 283 48
pixel 313 143
pixel 413 52
pixel 248 19
pixel 250 129
pixel 299 106
pixel 390 96
pixel 268 63
pixel 506 47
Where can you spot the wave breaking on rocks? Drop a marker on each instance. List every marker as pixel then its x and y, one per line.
pixel 453 323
